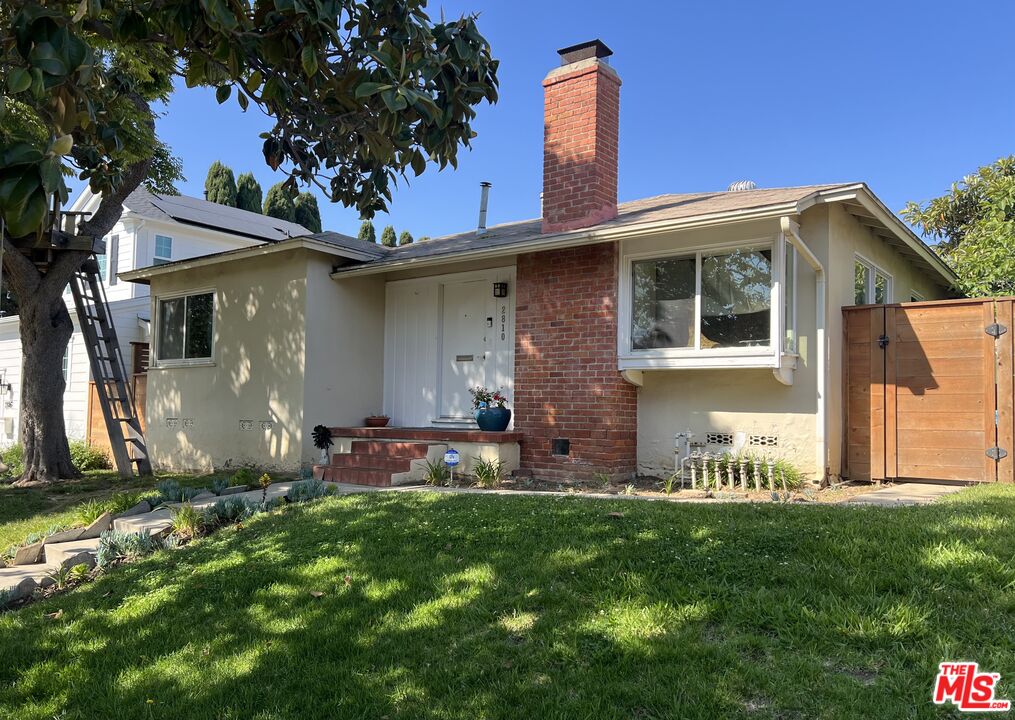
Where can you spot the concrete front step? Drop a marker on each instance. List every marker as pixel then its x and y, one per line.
pixel 59 553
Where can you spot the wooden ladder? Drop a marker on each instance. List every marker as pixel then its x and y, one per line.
pixel 126 436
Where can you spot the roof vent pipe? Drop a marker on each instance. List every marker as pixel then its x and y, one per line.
pixel 484 198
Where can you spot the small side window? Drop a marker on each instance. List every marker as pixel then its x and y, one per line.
pixel 163 250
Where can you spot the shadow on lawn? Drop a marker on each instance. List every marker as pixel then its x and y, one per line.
pixel 465 606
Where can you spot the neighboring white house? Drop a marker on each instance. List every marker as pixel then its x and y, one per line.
pixel 153 230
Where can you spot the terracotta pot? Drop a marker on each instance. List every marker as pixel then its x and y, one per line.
pixel 377 421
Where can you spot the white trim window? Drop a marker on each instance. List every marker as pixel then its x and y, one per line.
pixel 163 250
pixel 708 307
pixel 185 328
pixel 871 284
pixel 113 252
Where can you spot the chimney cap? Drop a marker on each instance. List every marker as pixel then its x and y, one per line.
pixel 584 51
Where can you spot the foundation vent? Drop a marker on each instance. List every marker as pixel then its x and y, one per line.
pixel 717 438
pixel 763 441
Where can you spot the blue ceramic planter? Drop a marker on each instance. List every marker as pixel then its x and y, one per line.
pixel 493 419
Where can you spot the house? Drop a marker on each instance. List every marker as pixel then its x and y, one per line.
pixel 153 230
pixel 613 327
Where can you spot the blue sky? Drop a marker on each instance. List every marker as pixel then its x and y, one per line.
pixel 905 96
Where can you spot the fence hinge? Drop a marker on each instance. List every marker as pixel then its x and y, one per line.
pixel 996 453
pixel 883 342
pixel 995 330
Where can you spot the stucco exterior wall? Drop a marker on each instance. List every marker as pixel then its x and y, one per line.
pixel 246 406
pixel 345 350
pixel 752 400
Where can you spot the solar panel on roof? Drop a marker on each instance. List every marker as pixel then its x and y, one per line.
pixel 202 212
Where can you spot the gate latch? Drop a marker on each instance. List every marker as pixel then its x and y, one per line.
pixel 996 453
pixel 883 342
pixel 995 330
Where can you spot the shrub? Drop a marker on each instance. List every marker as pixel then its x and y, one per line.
pixel 437 473
pixel 306 490
pixel 243 476
pixel 172 491
pixel 123 501
pixel 86 457
pixel 218 485
pixel 230 510
pixel 488 472
pixel 90 511
pixel 14 458
pixel 188 521
pixel 115 545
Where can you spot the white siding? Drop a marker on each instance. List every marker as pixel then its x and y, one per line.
pixel 10 372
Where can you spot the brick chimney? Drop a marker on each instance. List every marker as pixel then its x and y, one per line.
pixel 580 133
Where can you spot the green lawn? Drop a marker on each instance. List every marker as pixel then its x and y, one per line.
pixel 472 606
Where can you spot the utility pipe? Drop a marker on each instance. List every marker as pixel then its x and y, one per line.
pixel 791 229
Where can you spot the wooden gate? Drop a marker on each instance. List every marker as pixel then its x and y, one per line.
pixel 928 391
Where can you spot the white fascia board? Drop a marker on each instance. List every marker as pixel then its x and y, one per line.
pixel 145 274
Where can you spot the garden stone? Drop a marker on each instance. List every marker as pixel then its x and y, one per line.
pixel 234 490
pixel 98 526
pixel 203 495
pixel 64 536
pixel 82 558
pixel 24 589
pixel 140 509
pixel 29 554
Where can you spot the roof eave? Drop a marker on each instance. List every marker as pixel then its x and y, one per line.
pixel 143 276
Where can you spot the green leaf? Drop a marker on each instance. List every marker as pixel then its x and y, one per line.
pixel 418 163
pixel 222 93
pixel 254 81
pixel 18 80
pixel 242 100
pixel 371 88
pixel 309 60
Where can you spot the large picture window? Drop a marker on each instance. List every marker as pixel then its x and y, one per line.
pixel 185 327
pixel 705 301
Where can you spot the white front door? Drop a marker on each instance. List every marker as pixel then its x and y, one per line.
pixel 465 323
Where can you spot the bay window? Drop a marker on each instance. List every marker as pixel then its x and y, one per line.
pixel 185 328
pixel 723 306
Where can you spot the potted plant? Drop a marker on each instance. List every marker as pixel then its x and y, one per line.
pixel 323 441
pixel 490 411
pixel 378 420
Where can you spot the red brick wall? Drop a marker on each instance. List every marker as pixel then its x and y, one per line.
pixel 566 379
pixel 581 124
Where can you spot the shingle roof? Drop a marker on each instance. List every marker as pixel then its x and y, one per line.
pixel 192 211
pixel 350 243
pixel 647 210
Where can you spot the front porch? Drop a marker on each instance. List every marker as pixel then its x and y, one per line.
pixel 398 456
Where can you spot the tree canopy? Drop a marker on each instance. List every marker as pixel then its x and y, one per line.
pixel 360 95
pixel 248 193
pixel 405 238
pixel 974 226
pixel 388 238
pixel 307 213
pixel 278 203
pixel 220 185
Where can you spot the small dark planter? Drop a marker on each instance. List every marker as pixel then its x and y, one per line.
pixel 377 421
pixel 493 419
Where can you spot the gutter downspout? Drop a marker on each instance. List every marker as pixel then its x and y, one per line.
pixel 791 229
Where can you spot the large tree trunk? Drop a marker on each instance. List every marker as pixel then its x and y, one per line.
pixel 46 329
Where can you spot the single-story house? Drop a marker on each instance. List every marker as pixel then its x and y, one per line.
pixel 612 327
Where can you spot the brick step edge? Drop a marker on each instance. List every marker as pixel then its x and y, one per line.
pixel 353 476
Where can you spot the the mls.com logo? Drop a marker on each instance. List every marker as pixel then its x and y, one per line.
pixel 962 684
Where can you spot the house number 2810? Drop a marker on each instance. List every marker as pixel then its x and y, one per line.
pixel 503 322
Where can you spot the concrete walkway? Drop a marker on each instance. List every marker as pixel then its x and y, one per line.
pixel 906 493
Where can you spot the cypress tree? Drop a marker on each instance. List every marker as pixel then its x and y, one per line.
pixel 278 203
pixel 308 214
pixel 220 185
pixel 388 237
pixel 367 232
pixel 405 238
pixel 248 193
